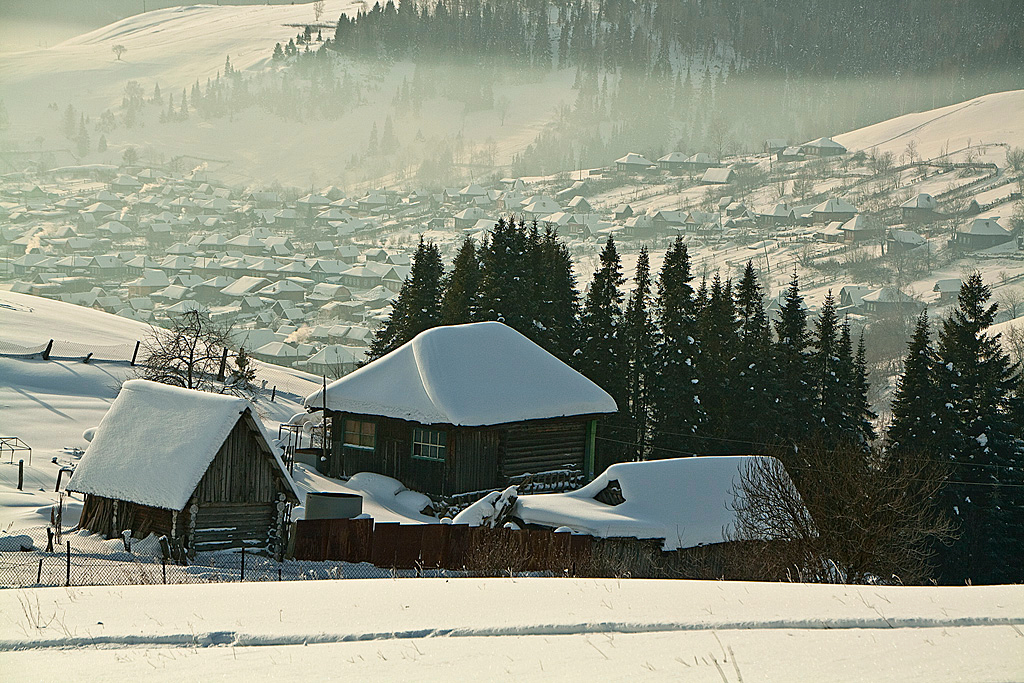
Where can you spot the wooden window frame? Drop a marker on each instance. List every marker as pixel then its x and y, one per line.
pixel 429 444
pixel 359 433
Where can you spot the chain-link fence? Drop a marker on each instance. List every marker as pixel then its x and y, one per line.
pixel 62 349
pixel 77 560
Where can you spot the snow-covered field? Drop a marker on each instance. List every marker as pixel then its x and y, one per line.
pixel 537 629
pixel 995 118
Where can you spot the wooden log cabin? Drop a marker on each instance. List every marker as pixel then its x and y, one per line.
pixel 193 466
pixel 462 408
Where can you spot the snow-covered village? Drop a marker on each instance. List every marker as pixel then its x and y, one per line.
pixel 575 340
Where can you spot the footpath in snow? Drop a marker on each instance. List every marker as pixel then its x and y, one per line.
pixel 433 629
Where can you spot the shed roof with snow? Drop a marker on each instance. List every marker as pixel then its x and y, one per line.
pixel 156 442
pixel 466 375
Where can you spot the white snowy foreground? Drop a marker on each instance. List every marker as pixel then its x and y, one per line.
pixel 537 629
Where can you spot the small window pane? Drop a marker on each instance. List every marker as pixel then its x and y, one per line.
pixel 429 444
pixel 360 434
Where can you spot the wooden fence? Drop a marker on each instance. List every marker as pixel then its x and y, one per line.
pixel 440 546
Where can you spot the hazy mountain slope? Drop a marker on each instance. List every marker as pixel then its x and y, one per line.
pixel 995 118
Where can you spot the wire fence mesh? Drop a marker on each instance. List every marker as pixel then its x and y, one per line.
pixel 87 560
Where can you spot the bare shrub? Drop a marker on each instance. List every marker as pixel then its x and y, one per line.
pixel 853 517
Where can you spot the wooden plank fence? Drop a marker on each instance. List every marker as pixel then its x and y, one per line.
pixel 440 546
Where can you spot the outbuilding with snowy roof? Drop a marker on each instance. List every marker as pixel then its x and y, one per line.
pixel 462 408
pixel 193 466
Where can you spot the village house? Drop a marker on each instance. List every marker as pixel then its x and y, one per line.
pixel 822 147
pixel 633 163
pixel 462 408
pixel 195 467
pixel 921 208
pixel 982 233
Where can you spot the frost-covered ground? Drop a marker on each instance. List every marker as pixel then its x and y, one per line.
pixel 537 629
pixel 49 404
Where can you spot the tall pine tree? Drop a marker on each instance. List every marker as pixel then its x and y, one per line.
pixel 752 400
pixel 602 356
pixel 974 385
pixel 460 302
pixel 418 306
pixel 639 333
pixel 678 413
pixel 793 391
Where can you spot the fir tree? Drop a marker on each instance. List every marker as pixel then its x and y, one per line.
pixel 82 139
pixel 462 287
pixel 506 291
pixel 557 307
pixel 914 425
pixel 639 334
pixel 826 371
pixel 974 385
pixel 602 356
pixel 859 408
pixel 418 306
pixel 792 383
pixel 278 52
pixel 717 331
pixel 753 359
pixel 677 408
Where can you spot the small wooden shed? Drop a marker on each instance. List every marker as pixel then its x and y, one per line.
pixel 462 408
pixel 190 465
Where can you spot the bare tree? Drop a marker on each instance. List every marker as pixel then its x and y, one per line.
pixel 187 354
pixel 318 10
pixel 1011 300
pixel 851 518
pixel 118 51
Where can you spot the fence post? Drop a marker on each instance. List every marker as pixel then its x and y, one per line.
pixel 273 393
pixel 163 561
pixel 86 359
pixel 46 352
pixel 49 540
pixel 223 365
pixel 135 353
pixel 39 572
pixel 21 473
pixel 67 581
pixel 242 575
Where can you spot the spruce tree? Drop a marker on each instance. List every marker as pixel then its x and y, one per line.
pixel 859 408
pixel 826 374
pixel 914 413
pixel 677 409
pixel 792 386
pixel 418 306
pixel 753 360
pixel 602 356
pixel 557 308
pixel 717 332
pixel 639 333
pixel 506 288
pixel 975 381
pixel 462 287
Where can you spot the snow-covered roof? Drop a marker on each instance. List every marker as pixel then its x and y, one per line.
pixel 685 501
pixel 468 375
pixel 984 226
pixel 155 444
pixel 824 143
pixel 922 200
pixel 835 205
pixel 634 159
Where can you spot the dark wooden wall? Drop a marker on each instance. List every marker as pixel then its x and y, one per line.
pixel 237 500
pixel 476 458
pixel 544 446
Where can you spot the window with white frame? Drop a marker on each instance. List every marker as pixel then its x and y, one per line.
pixel 429 444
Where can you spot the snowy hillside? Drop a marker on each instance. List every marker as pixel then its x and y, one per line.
pixel 996 118
pixel 514 629
pixel 177 47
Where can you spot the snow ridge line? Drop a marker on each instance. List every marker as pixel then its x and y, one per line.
pixel 241 639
